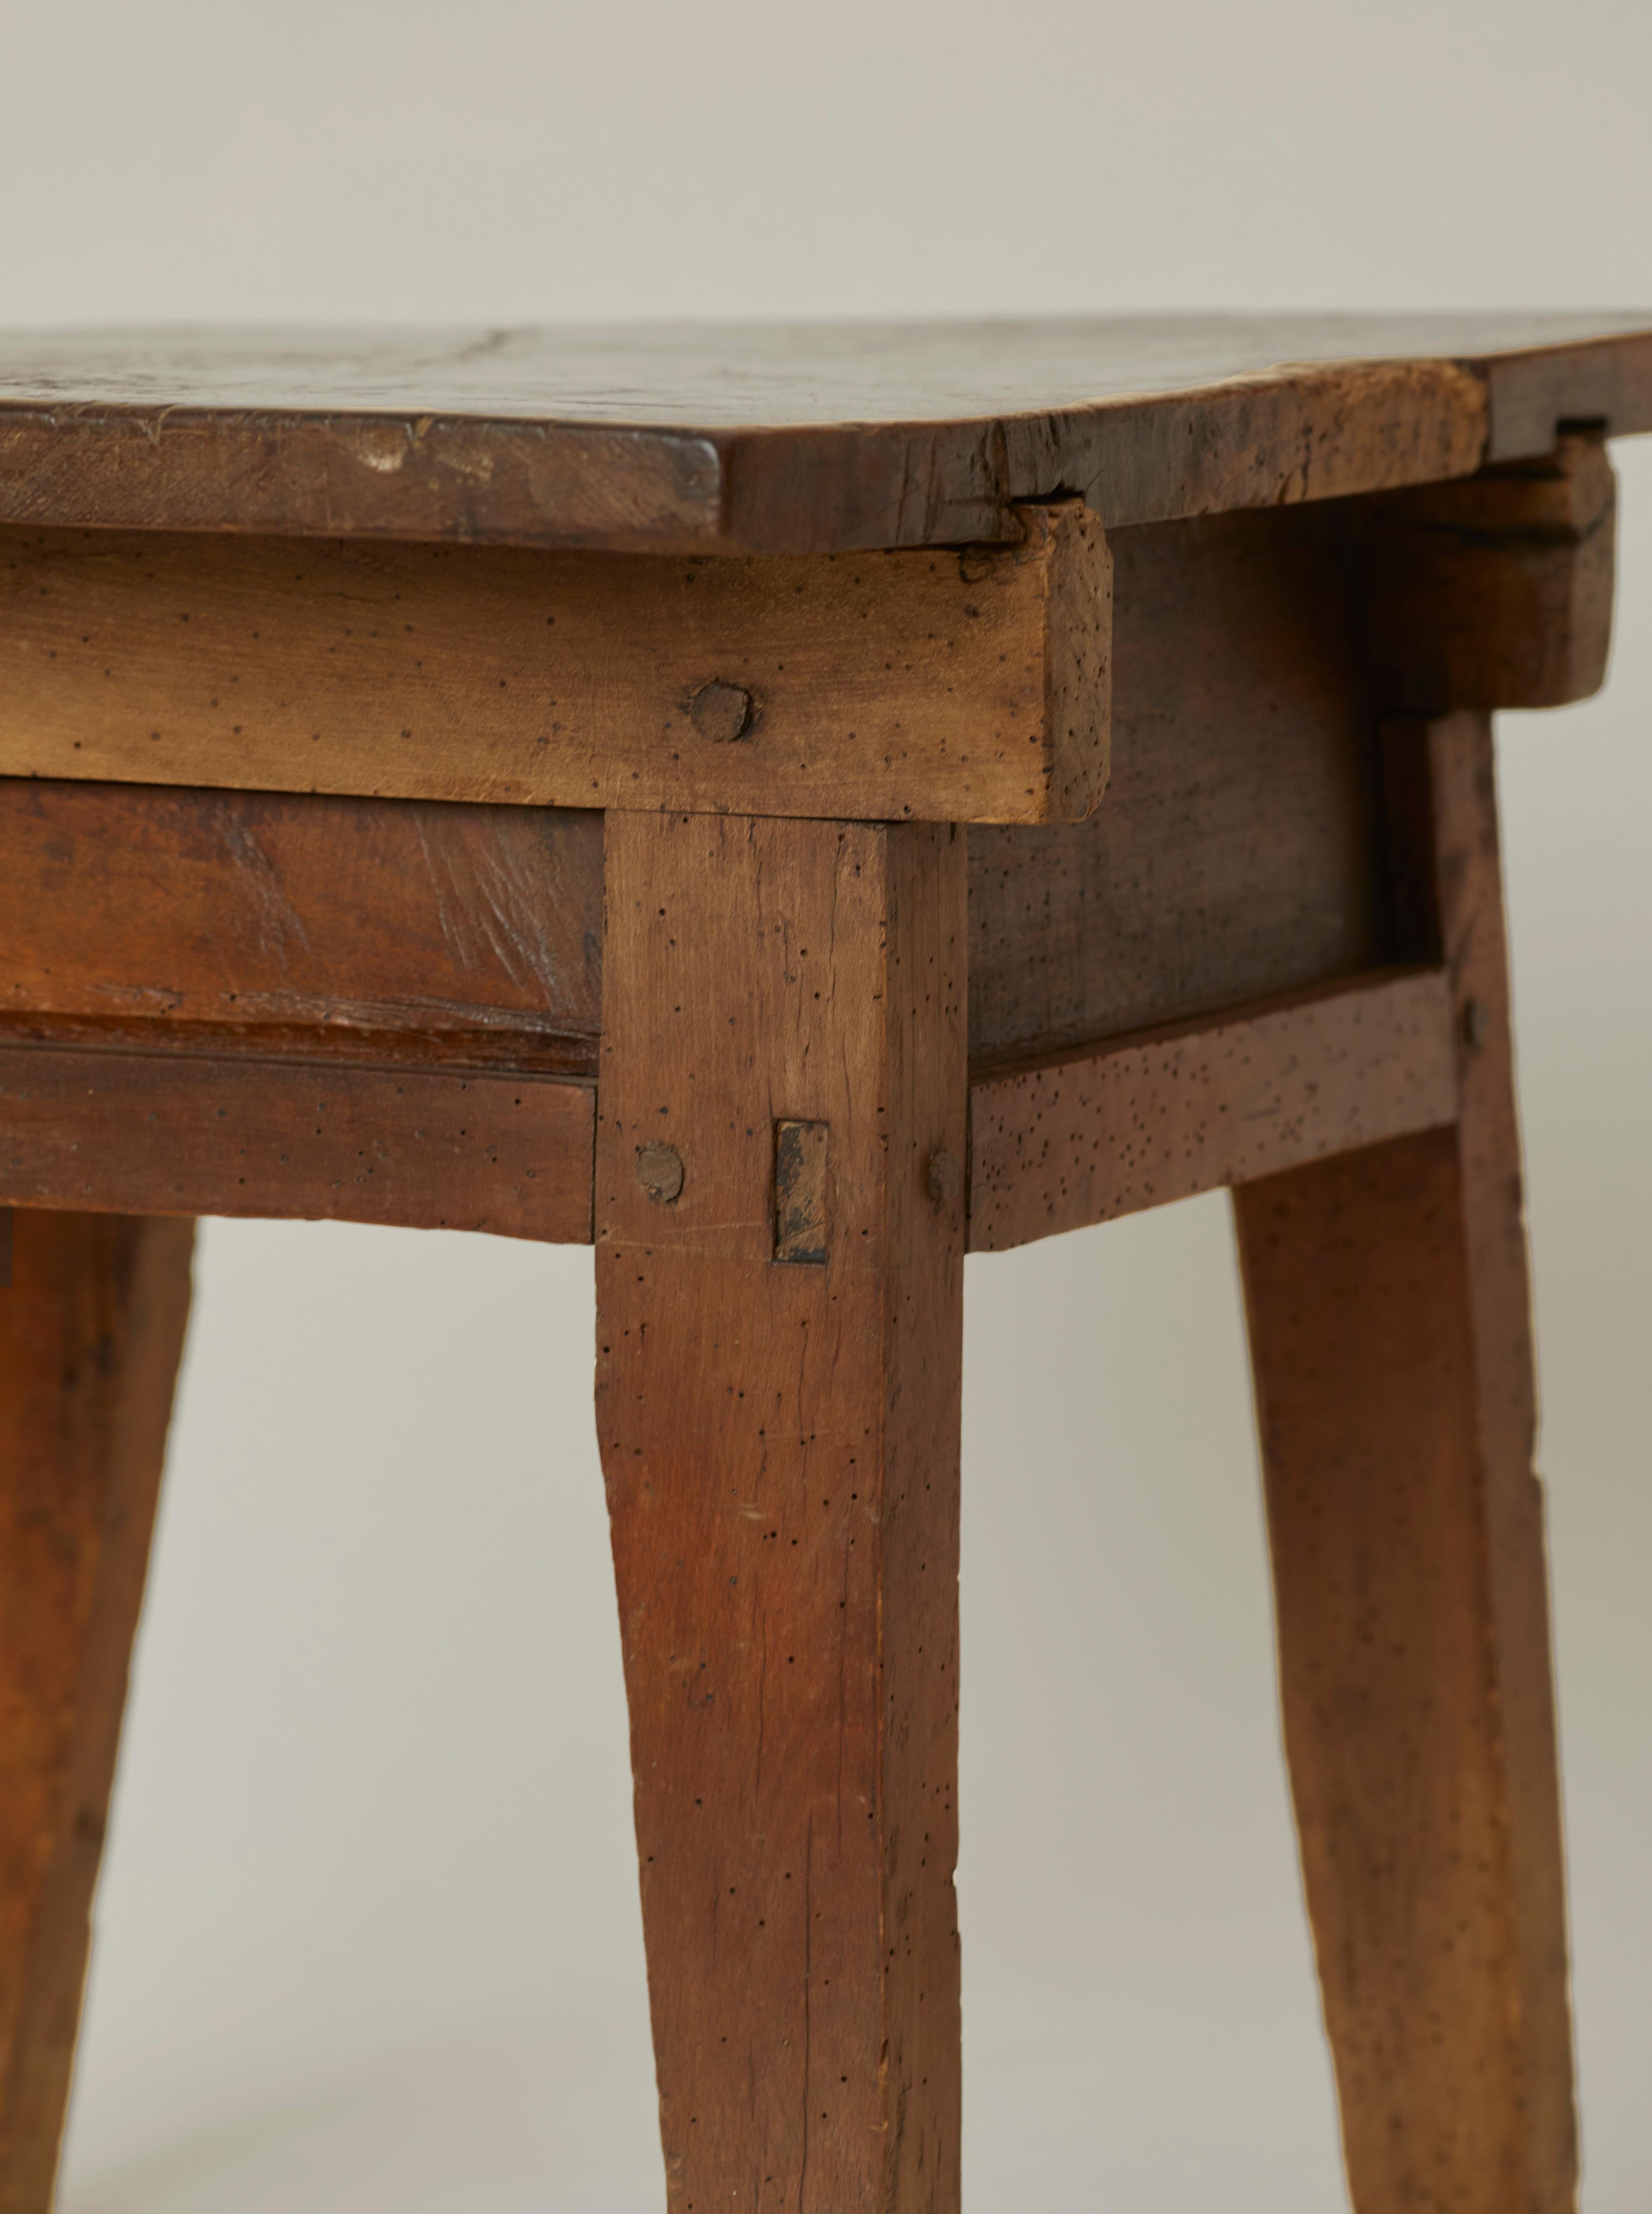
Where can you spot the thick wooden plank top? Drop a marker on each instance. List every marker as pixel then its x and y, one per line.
pixel 702 437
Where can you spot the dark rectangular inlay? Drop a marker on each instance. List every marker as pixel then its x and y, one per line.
pixel 800 1192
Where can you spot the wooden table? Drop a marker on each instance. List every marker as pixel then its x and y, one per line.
pixel 653 787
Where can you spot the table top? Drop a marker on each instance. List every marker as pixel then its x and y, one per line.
pixel 781 438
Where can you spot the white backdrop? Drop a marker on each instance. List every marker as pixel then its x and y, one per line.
pixel 368 1935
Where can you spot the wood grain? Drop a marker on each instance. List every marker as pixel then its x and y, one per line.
pixel 948 686
pixel 781 1445
pixel 132 1131
pixel 1390 1321
pixel 373 924
pixel 1236 854
pixel 91 1331
pixel 1496 591
pixel 1145 1120
pixel 776 438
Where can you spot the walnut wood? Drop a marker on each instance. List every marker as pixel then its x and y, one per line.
pixel 780 1444
pixel 1390 1320
pixel 132 1131
pixel 1235 854
pixel 1142 1120
pixel 849 574
pixel 1495 592
pixel 90 1334
pixel 808 438
pixel 331 923
pixel 1233 857
pixel 946 686
pixel 208 1123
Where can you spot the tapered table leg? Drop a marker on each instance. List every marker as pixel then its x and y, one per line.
pixel 91 1331
pixel 779 1266
pixel 1388 1305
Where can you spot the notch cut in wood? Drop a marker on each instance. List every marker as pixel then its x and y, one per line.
pixel 939 685
pixel 800 1192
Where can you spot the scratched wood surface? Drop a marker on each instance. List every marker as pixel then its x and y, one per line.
pixel 128 1130
pixel 1236 852
pixel 810 437
pixel 948 686
pixel 1141 1121
pixel 1389 1318
pixel 91 1331
pixel 258 917
pixel 780 1439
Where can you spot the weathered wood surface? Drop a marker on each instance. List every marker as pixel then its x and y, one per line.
pixel 771 439
pixel 1390 1321
pixel 781 1445
pixel 145 1132
pixel 1497 591
pixel 1144 1120
pixel 380 925
pixel 91 1331
pixel 946 686
pixel 211 1122
pixel 1235 854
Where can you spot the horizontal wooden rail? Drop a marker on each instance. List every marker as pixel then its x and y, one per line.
pixel 193 1125
pixel 129 1132
pixel 969 686
pixel 1160 1115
